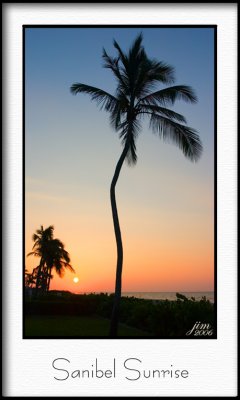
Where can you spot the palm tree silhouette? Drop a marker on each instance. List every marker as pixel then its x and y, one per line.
pixel 137 76
pixel 57 258
pixel 41 239
pixel 52 255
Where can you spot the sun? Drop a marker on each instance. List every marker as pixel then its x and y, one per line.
pixel 75 279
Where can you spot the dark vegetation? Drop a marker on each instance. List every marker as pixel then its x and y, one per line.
pixel 161 318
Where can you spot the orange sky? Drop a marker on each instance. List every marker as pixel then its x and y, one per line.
pixel 165 249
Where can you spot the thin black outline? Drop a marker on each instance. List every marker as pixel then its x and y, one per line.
pixel 82 26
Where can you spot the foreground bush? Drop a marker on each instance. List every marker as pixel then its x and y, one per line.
pixel 161 318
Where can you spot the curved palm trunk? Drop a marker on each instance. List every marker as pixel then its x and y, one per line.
pixel 118 284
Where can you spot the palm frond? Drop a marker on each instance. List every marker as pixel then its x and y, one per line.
pixel 135 48
pixel 160 71
pixel 122 56
pixel 129 133
pixel 60 266
pixel 33 253
pixel 104 99
pixel 131 157
pixel 109 62
pixel 120 109
pixel 150 72
pixel 113 64
pixel 170 95
pixel 186 138
pixel 146 108
pixel 154 71
pixel 68 266
pixel 115 117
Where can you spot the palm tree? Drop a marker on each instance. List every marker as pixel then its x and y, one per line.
pixel 57 258
pixel 41 239
pixel 52 255
pixel 138 96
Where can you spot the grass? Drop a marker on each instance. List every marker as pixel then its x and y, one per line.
pixel 74 326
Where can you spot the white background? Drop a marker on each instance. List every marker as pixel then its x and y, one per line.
pixel 211 363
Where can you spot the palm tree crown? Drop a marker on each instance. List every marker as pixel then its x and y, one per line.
pixel 137 77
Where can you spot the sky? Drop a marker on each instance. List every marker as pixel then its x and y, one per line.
pixel 165 202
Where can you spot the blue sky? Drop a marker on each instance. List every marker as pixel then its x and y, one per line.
pixel 57 57
pixel 71 150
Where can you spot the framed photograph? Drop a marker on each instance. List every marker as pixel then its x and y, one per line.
pixel 120 251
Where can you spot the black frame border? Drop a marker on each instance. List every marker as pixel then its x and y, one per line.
pixel 57 26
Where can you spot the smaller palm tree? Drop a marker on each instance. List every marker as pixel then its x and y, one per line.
pixel 52 256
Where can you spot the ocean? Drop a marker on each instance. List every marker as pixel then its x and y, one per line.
pixel 168 295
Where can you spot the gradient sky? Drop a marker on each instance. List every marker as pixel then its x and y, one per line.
pixel 165 202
